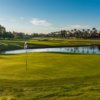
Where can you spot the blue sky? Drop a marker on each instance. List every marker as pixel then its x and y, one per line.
pixel 49 15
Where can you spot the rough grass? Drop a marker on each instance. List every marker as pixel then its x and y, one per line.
pixel 50 76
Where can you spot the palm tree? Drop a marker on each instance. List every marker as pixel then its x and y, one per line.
pixel 94 32
pixel 63 33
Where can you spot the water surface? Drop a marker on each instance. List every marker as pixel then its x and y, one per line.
pixel 80 49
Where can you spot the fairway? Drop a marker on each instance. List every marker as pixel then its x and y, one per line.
pixel 50 76
pixel 45 43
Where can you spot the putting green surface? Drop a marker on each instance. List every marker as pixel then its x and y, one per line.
pixel 50 76
pixel 48 66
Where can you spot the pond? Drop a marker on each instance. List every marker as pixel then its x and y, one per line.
pixel 80 49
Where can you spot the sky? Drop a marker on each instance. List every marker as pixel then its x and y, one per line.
pixel 45 16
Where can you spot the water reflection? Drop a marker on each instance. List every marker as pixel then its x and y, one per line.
pixel 82 49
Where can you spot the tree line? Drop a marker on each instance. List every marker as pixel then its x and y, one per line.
pixel 12 35
pixel 75 33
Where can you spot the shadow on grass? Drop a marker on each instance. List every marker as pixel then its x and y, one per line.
pixel 58 81
pixel 70 53
pixel 7 54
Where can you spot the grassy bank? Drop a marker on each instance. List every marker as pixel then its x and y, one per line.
pixel 43 43
pixel 50 76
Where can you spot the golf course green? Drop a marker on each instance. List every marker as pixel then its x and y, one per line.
pixel 50 76
pixel 49 49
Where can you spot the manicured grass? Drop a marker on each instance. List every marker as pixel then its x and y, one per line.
pixel 43 43
pixel 64 42
pixel 50 76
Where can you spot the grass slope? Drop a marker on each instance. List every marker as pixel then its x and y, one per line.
pixel 50 76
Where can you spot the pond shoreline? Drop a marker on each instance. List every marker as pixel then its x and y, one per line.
pixel 43 47
pixel 85 49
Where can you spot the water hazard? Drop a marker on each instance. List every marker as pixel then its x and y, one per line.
pixel 80 49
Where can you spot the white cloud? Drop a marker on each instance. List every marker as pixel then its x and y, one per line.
pixel 39 22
